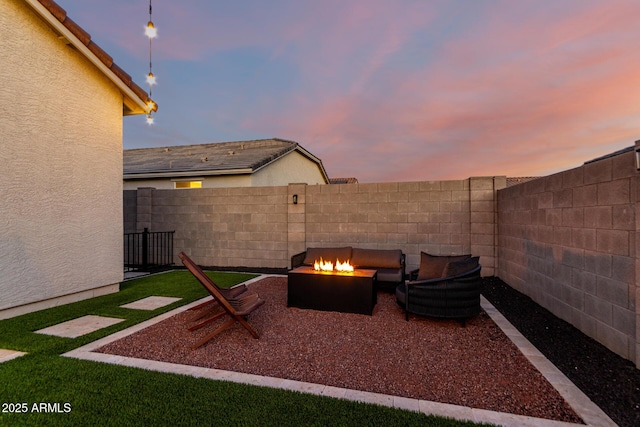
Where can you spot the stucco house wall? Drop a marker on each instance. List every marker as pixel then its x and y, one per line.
pixel 291 168
pixel 61 157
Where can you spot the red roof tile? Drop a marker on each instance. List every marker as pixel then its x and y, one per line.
pixel 55 10
pixel 61 15
pixel 77 31
pixel 100 53
pixel 122 75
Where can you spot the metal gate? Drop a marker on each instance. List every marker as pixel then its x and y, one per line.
pixel 148 250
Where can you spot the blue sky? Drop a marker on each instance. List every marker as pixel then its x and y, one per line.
pixel 401 90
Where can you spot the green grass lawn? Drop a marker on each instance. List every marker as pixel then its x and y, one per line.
pixel 57 391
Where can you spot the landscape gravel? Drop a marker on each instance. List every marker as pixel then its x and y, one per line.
pixel 430 359
pixel 610 381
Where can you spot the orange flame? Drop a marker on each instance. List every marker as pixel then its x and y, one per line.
pixel 322 265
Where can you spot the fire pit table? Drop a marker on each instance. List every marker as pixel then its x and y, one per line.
pixel 348 292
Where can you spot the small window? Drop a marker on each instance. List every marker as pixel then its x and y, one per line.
pixel 189 184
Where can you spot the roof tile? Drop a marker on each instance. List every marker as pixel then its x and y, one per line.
pixel 100 53
pixel 350 180
pixel 53 7
pixel 519 180
pixel 122 75
pixel 77 30
pixel 141 93
pixel 206 157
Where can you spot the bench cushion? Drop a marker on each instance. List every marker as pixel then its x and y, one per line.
pixel 379 258
pixel 394 275
pixel 327 254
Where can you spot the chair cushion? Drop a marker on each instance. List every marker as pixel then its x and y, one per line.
pixel 455 268
pixel 432 266
pixel 327 254
pixel 379 258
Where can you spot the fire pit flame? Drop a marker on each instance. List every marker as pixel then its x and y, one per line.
pixel 322 265
pixel 344 266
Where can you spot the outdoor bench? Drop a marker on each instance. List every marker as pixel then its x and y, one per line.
pixel 389 263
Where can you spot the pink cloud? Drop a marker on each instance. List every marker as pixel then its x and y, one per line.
pixel 547 110
pixel 417 90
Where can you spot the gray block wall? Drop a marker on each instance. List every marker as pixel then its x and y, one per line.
pixel 263 227
pixel 569 242
pixel 432 216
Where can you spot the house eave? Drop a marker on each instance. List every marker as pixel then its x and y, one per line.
pixel 178 174
pixel 132 104
pixel 304 153
pixel 315 159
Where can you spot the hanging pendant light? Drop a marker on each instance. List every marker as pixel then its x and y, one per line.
pixel 151 79
pixel 151 32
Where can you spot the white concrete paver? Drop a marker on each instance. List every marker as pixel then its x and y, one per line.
pixel 583 406
pixel 406 403
pixel 369 397
pixel 461 413
pixel 330 391
pixel 151 303
pixel 80 326
pixel 512 420
pixel 6 355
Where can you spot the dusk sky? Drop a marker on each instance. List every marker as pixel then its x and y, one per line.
pixel 398 90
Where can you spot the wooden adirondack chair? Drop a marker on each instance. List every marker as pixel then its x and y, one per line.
pixel 237 309
pixel 230 294
pixel 237 301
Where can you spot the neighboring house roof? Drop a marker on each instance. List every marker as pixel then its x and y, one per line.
pixel 222 158
pixel 343 180
pixel 135 98
pixel 519 180
pixel 515 181
pixel 608 156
